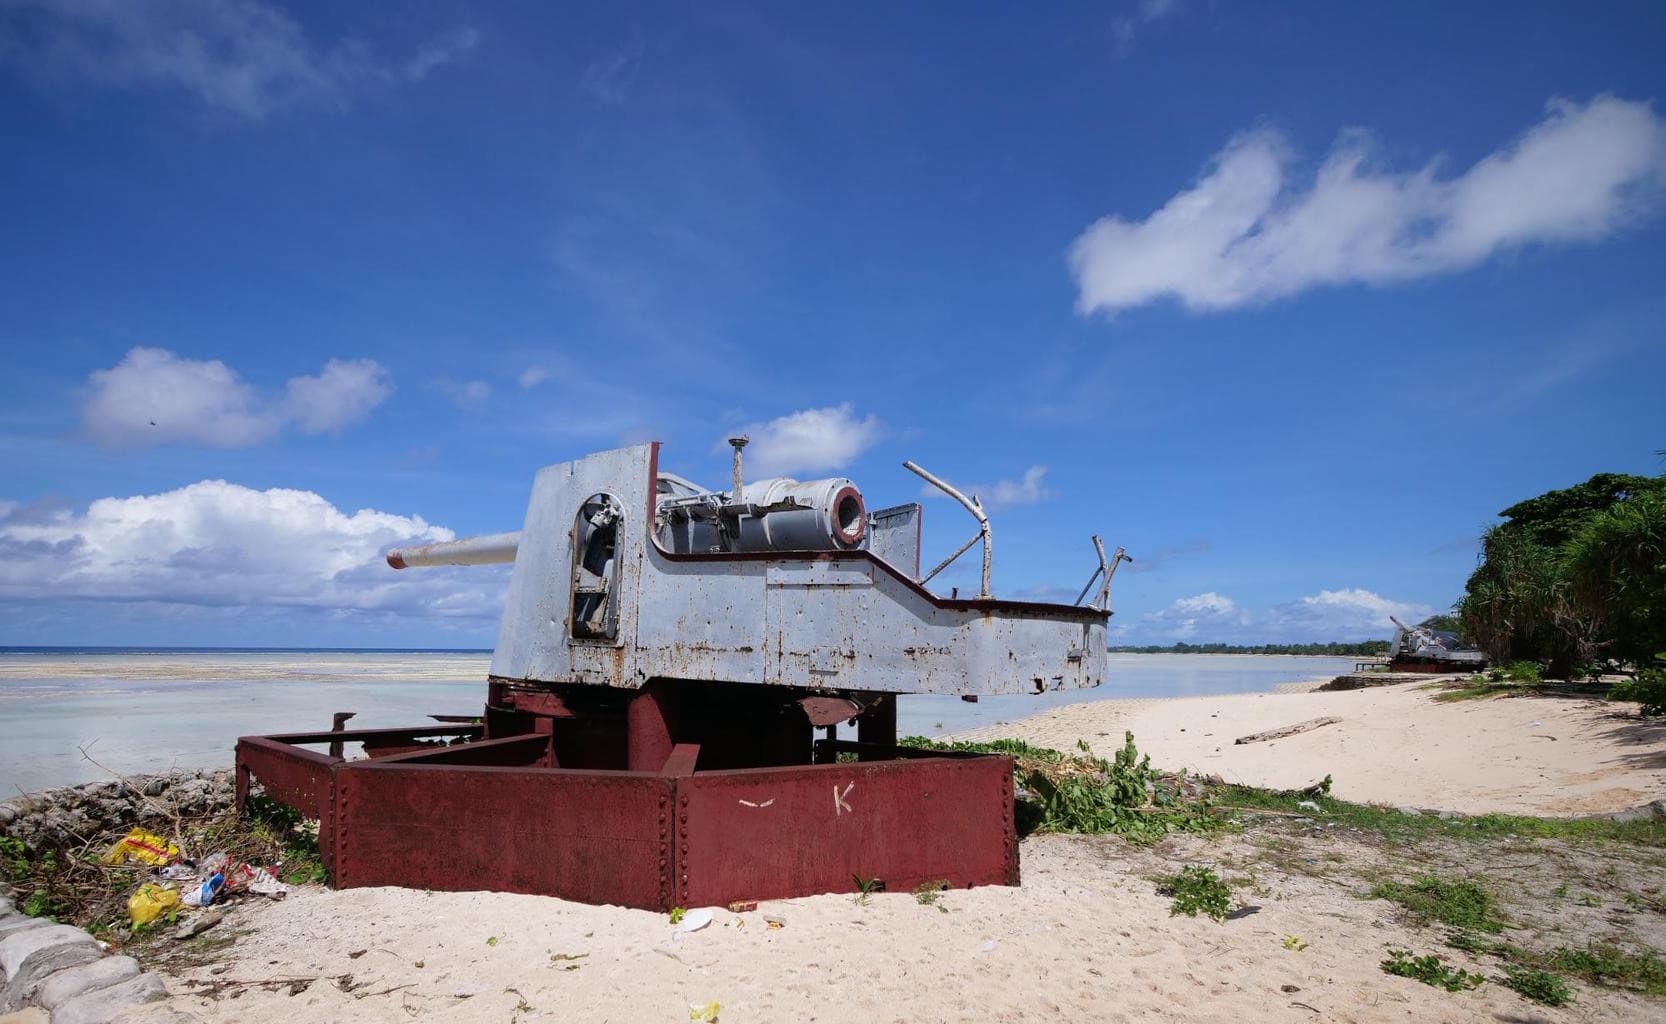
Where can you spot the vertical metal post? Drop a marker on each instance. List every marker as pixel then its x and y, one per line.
pixel 650 721
pixel 338 721
pixel 878 725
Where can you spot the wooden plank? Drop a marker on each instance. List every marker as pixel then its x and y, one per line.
pixel 1288 730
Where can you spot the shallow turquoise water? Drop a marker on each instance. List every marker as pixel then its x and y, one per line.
pixel 147 712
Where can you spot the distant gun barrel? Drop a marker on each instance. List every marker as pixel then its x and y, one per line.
pixel 492 549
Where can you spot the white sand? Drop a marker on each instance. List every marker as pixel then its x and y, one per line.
pixel 1395 745
pixel 1085 938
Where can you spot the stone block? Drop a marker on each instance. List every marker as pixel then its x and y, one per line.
pixel 104 1005
pixel 89 977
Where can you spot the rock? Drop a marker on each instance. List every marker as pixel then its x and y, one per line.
pixel 17 947
pixel 89 977
pixel 155 786
pixel 199 924
pixel 8 814
pixel 41 965
pixel 20 922
pixel 103 1005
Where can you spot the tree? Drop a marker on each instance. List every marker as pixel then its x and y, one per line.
pixel 1616 566
pixel 1520 603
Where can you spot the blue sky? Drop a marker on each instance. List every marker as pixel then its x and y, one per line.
pixel 1288 299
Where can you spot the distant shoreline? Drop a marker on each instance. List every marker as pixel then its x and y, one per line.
pixel 93 650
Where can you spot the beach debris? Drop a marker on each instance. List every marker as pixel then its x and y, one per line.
pixel 677 915
pixel 1294 943
pixel 706 1014
pixel 693 921
pixel 1308 805
pixel 357 953
pixel 150 902
pixel 1289 988
pixel 1289 730
pixel 491 940
pixel 143 847
pixel 468 988
pixel 771 921
pixel 199 924
pixel 205 894
pixel 741 906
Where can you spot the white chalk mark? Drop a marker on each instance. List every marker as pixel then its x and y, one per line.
pixel 766 803
pixel 839 805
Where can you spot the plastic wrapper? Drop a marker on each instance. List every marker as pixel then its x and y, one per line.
pixel 151 902
pixel 143 847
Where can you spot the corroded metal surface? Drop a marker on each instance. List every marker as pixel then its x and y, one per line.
pixel 765 833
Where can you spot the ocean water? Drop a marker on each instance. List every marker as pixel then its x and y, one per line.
pixel 71 716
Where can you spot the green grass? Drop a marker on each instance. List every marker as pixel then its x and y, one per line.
pixel 1430 970
pixel 1400 826
pixel 1196 889
pixel 1465 904
pixel 1611 965
pixel 1476 691
pixel 1539 986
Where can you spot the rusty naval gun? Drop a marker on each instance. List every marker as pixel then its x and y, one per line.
pixel 661 725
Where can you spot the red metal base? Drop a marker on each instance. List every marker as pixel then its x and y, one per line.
pixel 656 828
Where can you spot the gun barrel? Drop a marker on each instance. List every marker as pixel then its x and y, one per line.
pixel 492 549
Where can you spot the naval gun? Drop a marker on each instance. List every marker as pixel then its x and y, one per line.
pixel 662 714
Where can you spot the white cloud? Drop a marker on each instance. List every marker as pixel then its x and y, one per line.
pixel 532 376
pixel 1147 12
pixel 1246 233
pixel 1028 490
pixel 1205 616
pixel 808 441
pixel 1347 614
pixel 465 394
pixel 610 78
pixel 218 544
pixel 154 396
pixel 343 394
pixel 242 57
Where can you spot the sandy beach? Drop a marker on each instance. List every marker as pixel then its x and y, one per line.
pixel 1395 745
pixel 1086 936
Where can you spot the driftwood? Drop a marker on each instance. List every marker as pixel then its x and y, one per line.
pixel 1289 730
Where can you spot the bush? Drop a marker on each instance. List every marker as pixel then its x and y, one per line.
pixel 1196 888
pixel 1648 689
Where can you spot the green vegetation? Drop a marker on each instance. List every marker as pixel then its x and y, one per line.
pixel 866 887
pixel 1086 794
pixel 1599 963
pixel 1539 986
pixel 1368 648
pixel 1463 904
pixel 928 893
pixel 1648 689
pixel 1573 577
pixel 1611 965
pixel 1196 889
pixel 1430 970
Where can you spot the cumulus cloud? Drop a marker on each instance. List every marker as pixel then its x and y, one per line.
pixel 1030 489
pixel 808 441
pixel 1248 233
pixel 218 544
pixel 242 57
pixel 154 396
pixel 340 396
pixel 532 376
pixel 1345 614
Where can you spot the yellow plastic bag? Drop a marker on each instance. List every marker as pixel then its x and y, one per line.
pixel 143 847
pixel 151 902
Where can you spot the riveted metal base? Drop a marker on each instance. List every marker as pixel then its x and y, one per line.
pixel 508 813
